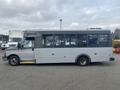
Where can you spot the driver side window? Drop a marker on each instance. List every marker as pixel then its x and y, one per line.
pixel 27 44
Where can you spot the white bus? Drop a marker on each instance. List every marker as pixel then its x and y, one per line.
pixel 81 47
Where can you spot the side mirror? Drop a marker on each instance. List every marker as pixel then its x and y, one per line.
pixel 20 46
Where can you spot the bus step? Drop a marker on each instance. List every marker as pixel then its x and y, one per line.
pixel 27 62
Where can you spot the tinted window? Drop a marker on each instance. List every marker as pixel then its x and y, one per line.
pixel 1 38
pixel 76 40
pixel 103 40
pixel 47 40
pixel 70 40
pixel 98 40
pixel 58 40
pixel 82 40
pixel 73 40
pixel 93 40
pixel 67 40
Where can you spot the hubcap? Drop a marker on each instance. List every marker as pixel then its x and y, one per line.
pixel 83 61
pixel 13 61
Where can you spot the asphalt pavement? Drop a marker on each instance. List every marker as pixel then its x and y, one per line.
pixel 97 76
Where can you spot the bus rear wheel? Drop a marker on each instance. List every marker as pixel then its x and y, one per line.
pixel 14 60
pixel 83 61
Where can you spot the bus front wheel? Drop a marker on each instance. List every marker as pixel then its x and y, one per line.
pixel 14 60
pixel 83 61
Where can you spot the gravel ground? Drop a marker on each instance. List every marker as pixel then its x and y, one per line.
pixel 97 76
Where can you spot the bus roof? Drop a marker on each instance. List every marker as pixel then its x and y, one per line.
pixel 54 31
pixel 37 33
pixel 80 30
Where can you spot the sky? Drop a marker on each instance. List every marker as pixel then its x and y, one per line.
pixel 45 14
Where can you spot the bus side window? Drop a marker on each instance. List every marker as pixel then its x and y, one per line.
pixel 58 40
pixel 47 40
pixel 70 40
pixel 103 40
pixel 93 40
pixel 67 40
pixel 82 40
pixel 73 40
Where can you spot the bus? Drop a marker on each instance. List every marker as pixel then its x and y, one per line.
pixel 80 47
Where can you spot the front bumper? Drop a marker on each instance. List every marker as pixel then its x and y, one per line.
pixel 4 58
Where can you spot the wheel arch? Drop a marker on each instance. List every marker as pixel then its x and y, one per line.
pixel 82 55
pixel 13 55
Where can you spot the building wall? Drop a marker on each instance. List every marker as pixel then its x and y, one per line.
pixel 15 33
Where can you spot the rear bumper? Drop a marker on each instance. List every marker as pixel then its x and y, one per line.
pixel 112 59
pixel 4 58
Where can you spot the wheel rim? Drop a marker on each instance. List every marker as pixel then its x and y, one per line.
pixel 83 61
pixel 14 61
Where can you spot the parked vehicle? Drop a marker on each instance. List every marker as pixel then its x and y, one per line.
pixel 116 45
pixel 15 37
pixel 81 47
pixel 9 45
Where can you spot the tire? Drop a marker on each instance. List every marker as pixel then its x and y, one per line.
pixel 14 60
pixel 83 61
